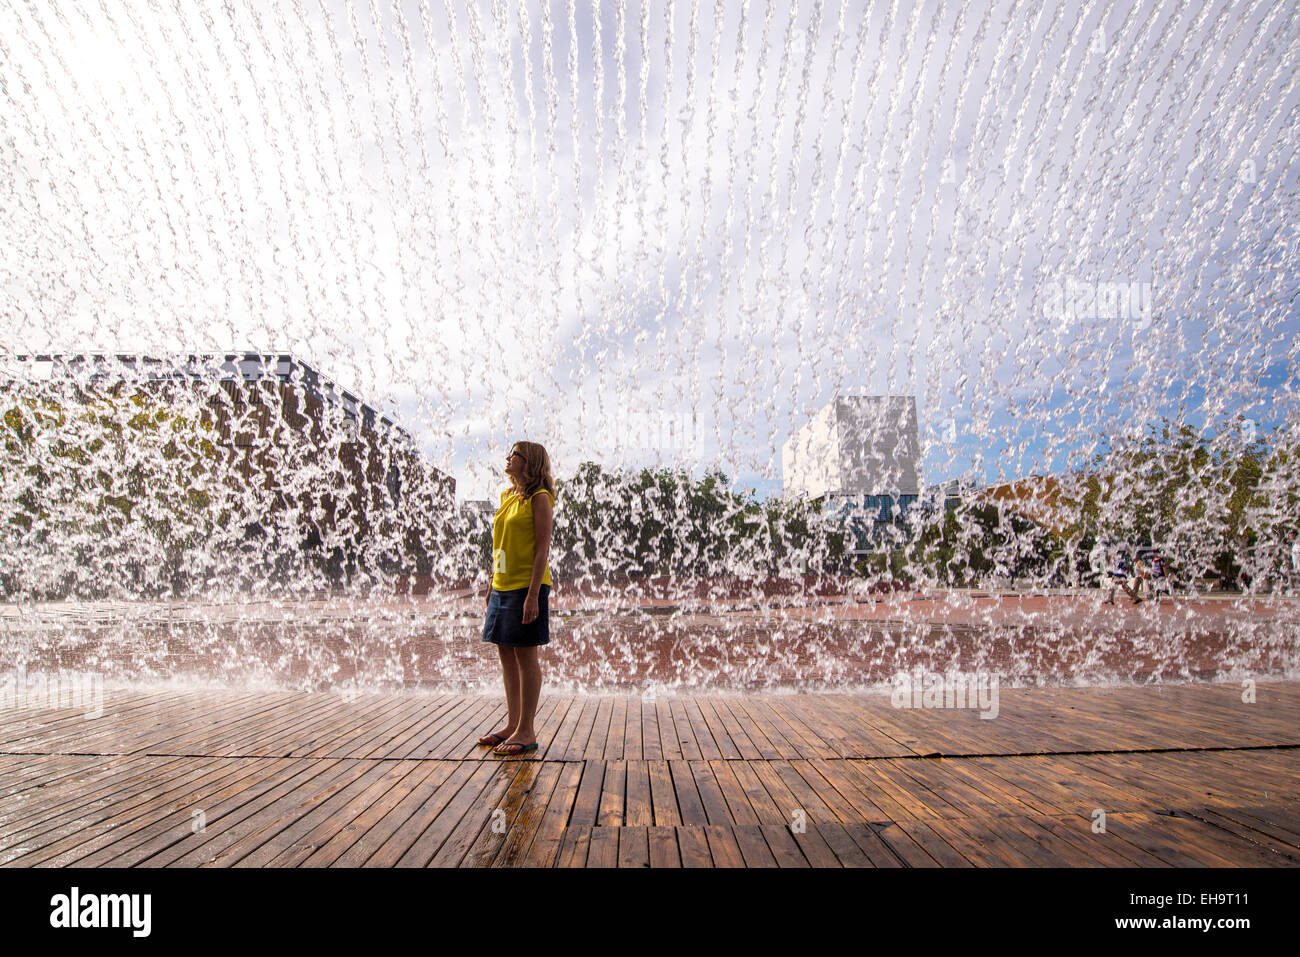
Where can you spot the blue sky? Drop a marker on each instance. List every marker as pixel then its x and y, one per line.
pixel 585 223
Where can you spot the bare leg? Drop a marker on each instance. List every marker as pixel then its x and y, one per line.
pixel 529 684
pixel 510 678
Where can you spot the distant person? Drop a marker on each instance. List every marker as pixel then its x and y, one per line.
pixel 1120 573
pixel 1097 563
pixel 1295 561
pixel 1141 580
pixel 516 620
pixel 1159 577
pixel 1134 586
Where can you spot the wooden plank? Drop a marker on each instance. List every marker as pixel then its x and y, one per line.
pixel 788 851
pixel 1279 824
pixel 633 847
pixel 1016 799
pixel 481 818
pixel 449 724
pixel 42 724
pixel 806 742
pixel 720 725
pixel 663 796
pixel 652 748
pixel 335 838
pixel 760 716
pixel 600 729
pixel 935 775
pixel 1107 849
pixel 640 809
pixel 1157 835
pixel 1233 807
pixel 355 849
pixel 79 831
pixel 139 729
pixel 615 749
pixel 234 835
pixel 663 847
pixel 586 806
pixel 187 727
pixel 880 853
pixel 723 848
pixel 1073 844
pixel 290 846
pixel 973 839
pixel 487 846
pixel 903 845
pixel 385 730
pixel 1035 844
pixel 827 845
pixel 829 790
pixel 392 852
pixel 612 795
pixel 733 792
pixel 602 851
pixel 701 732
pixel 753 846
pixel 281 832
pixel 926 839
pixel 527 822
pixel 454 732
pixel 757 794
pixel 770 796
pixel 118 825
pixel 693 845
pixel 251 778
pixel 893 792
pixel 575 749
pixel 561 743
pixel 827 727
pixel 550 832
pixel 735 733
pixel 573 846
pixel 400 736
pixel 456 816
pixel 711 796
pixel 318 732
pixel 669 746
pixel 683 732
pixel 1261 834
pixel 860 737
pixel 96 787
pixel 633 745
pixel 688 795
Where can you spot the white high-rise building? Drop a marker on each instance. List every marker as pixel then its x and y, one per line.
pixel 856 446
pixel 859 456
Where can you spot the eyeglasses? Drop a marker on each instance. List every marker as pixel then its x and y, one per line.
pixel 513 453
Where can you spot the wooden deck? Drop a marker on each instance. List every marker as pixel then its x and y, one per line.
pixel 1185 775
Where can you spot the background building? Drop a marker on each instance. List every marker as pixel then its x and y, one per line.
pixel 859 456
pixel 241 466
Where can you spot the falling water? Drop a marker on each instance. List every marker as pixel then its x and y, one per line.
pixel 651 235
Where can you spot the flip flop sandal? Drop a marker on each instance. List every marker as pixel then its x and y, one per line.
pixel 497 740
pixel 523 749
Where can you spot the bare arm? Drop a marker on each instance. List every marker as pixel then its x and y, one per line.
pixel 543 518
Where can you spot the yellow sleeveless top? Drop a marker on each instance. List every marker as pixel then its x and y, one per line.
pixel 513 541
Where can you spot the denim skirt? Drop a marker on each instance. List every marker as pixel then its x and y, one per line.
pixel 504 624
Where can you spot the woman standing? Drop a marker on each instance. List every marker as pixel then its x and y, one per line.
pixel 516 620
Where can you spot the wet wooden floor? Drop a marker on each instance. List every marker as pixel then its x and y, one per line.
pixel 1156 776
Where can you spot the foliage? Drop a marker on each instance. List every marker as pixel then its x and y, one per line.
pixel 660 522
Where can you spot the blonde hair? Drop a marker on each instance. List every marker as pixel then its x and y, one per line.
pixel 536 471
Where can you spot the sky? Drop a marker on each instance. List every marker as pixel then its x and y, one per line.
pixel 668 233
